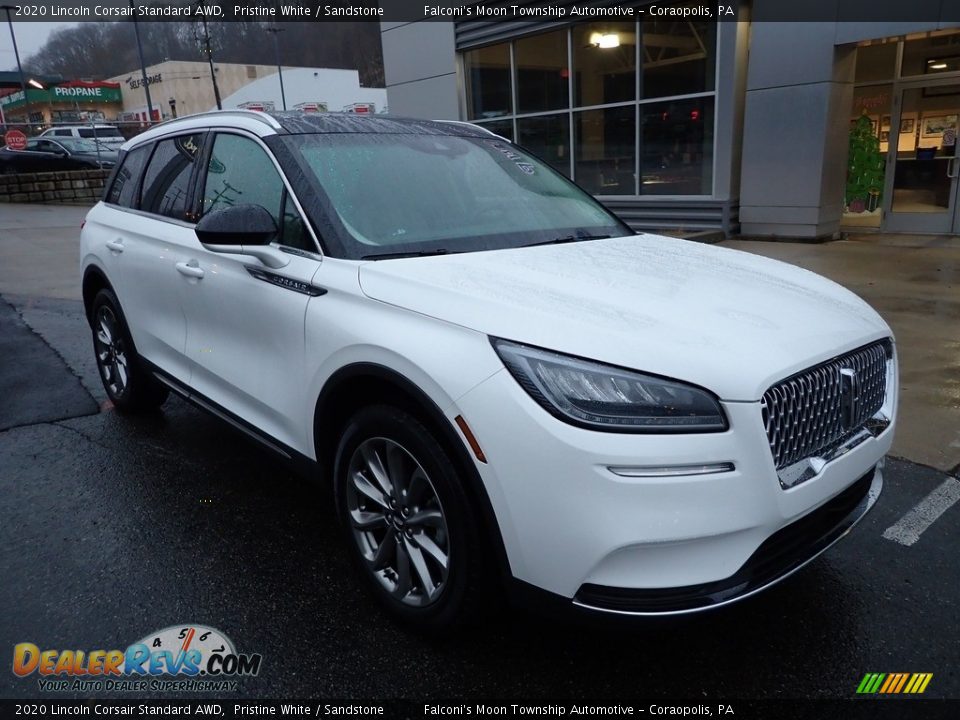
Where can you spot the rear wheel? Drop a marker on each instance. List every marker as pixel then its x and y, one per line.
pixel 129 385
pixel 405 514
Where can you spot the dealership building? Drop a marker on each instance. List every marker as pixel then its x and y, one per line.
pixel 689 124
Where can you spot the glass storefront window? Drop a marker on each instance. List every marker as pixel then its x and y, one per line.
pixel 605 150
pixel 547 137
pixel 868 140
pixel 542 73
pixel 931 56
pixel 503 128
pixel 604 63
pixel 487 77
pixel 679 57
pixel 676 147
pixel 609 60
pixel 876 62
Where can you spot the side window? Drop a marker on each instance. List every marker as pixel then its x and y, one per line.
pixel 63 133
pixel 241 173
pixel 293 233
pixel 167 177
pixel 125 181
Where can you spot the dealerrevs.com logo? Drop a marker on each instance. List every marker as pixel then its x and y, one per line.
pixel 178 658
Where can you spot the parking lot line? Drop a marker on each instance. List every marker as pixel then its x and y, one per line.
pixel 908 529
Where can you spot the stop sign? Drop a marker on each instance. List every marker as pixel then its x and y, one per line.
pixel 15 140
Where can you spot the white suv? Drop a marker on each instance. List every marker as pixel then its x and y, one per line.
pixel 510 390
pixel 105 134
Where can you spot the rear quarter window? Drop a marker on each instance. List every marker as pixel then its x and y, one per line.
pixel 125 181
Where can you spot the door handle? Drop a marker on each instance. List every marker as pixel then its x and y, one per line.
pixel 115 245
pixel 190 269
pixel 952 167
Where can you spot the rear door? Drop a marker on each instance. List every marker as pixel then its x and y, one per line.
pixel 154 242
pixel 58 156
pixel 245 321
pixel 110 223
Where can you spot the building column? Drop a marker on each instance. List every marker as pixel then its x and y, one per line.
pixel 796 126
pixel 420 66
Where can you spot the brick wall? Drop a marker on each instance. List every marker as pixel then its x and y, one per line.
pixel 73 186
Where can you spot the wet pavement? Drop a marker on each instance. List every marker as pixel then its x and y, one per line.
pixel 113 527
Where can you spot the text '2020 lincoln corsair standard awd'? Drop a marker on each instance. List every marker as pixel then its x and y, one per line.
pixel 508 387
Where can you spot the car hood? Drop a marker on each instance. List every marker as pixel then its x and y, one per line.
pixel 730 321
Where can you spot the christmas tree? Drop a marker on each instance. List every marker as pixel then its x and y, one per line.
pixel 864 167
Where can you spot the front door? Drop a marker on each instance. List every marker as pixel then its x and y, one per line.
pixel 245 321
pixel 922 162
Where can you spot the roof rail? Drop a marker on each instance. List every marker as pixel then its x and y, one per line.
pixel 473 125
pixel 253 114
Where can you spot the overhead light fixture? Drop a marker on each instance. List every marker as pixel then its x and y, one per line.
pixel 939 66
pixel 35 83
pixel 605 40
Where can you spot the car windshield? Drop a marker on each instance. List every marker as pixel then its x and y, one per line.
pixel 100 132
pixel 408 194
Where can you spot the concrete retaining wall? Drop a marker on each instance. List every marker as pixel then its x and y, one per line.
pixel 83 186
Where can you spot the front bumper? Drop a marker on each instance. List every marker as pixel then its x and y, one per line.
pixel 780 555
pixel 655 545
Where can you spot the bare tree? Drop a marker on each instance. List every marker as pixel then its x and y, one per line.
pixel 99 50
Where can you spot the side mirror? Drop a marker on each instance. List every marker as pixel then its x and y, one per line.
pixel 237 225
pixel 241 230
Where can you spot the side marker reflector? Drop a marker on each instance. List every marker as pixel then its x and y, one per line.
pixel 471 440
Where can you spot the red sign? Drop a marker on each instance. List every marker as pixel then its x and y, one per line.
pixel 15 140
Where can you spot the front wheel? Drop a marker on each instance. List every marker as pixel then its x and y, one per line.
pixel 406 518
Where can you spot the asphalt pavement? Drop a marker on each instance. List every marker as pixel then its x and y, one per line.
pixel 112 527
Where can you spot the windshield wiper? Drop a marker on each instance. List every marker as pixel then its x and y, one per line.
pixel 569 239
pixel 406 254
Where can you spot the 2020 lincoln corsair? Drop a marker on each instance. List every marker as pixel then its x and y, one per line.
pixel 510 389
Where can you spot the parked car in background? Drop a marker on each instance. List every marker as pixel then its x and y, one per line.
pixel 106 134
pixel 48 155
pixel 511 391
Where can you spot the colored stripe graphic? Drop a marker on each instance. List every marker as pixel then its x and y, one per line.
pixel 894 683
pixel 903 680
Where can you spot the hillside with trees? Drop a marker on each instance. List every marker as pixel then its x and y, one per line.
pixel 99 50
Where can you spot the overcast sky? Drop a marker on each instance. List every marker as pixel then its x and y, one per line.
pixel 30 37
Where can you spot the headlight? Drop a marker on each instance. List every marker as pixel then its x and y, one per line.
pixel 603 397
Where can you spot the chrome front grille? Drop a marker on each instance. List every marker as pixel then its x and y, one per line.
pixel 809 413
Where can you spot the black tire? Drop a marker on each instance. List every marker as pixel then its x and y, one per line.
pixel 460 598
pixel 130 387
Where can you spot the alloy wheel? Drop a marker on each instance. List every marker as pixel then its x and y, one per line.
pixel 398 522
pixel 111 351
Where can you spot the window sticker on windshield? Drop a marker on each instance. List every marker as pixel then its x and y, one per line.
pixel 517 159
